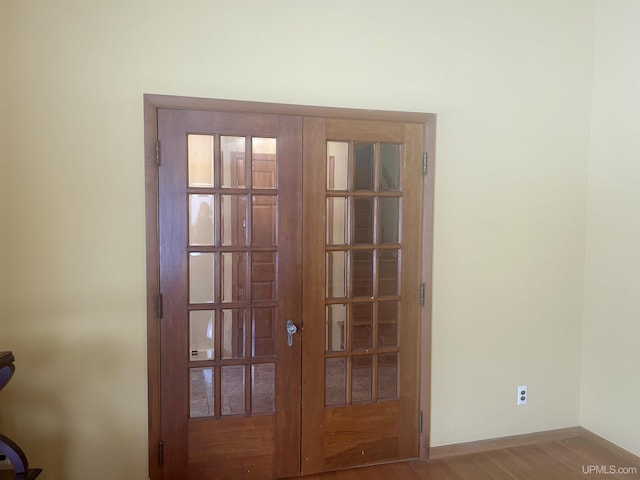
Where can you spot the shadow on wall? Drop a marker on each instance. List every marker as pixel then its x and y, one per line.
pixel 33 417
pixel 60 410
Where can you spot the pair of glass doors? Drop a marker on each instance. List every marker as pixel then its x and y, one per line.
pixel 288 263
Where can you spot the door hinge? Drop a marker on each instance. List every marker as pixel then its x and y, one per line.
pixel 160 306
pixel 161 453
pixel 422 294
pixel 420 421
pixel 158 152
pixel 425 162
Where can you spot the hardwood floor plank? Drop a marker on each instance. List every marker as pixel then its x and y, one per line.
pixel 567 459
pixel 468 467
pixel 434 470
pixel 487 464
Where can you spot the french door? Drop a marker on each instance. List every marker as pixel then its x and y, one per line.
pixel 362 235
pixel 289 272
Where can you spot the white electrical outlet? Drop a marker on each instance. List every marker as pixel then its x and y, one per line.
pixel 522 395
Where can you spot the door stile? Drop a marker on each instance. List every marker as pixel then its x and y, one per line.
pixel 410 282
pixel 313 220
pixel 173 278
pixel 288 427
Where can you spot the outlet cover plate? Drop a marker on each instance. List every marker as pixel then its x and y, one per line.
pixel 523 395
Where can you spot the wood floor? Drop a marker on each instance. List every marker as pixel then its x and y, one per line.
pixel 582 457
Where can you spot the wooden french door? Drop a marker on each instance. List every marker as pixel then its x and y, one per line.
pixel 230 249
pixel 268 223
pixel 362 247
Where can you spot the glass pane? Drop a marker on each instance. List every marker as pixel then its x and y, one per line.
pixel 336 220
pixel 232 386
pixel 361 373
pixel 388 273
pixel 263 341
pixel 335 384
pixel 336 331
pixel 201 398
pixel 387 376
pixel 337 165
pixel 363 175
pixel 263 165
pixel 336 274
pixel 387 324
pixel 362 273
pixel 389 220
pixel 201 335
pixel 263 233
pixel 201 277
pixel 201 220
pixel 234 268
pixel 263 388
pixel 363 220
pixel 233 333
pixel 233 165
pixel 234 219
pixel 263 276
pixel 200 160
pixel 389 167
pixel 362 326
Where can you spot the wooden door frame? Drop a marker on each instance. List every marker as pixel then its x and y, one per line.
pixel 152 154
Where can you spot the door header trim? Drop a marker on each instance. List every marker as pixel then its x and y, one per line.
pixel 240 106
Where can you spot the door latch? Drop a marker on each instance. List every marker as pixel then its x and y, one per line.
pixel 291 331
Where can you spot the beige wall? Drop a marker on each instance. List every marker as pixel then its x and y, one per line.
pixel 511 83
pixel 610 397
